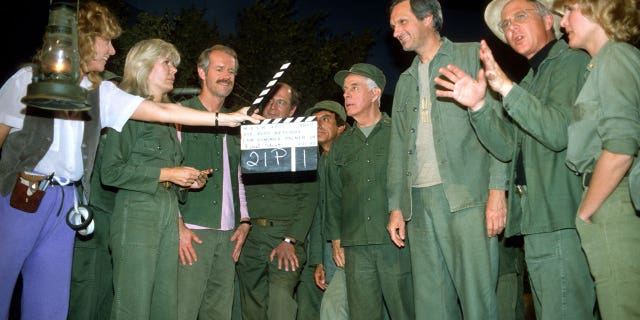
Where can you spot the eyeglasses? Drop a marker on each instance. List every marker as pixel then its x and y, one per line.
pixel 518 17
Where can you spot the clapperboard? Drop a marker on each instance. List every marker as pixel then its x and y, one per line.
pixel 280 145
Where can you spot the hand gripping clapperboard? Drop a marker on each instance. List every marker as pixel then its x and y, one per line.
pixel 281 144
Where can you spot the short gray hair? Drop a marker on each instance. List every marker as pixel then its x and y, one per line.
pixel 373 85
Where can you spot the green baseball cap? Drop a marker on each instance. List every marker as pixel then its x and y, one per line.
pixel 328 105
pixel 364 69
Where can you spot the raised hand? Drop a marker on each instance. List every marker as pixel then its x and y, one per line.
pixel 497 79
pixel 461 87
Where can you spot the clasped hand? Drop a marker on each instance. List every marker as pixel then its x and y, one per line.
pixel 186 177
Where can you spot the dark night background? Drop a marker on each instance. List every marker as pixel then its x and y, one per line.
pixel 25 26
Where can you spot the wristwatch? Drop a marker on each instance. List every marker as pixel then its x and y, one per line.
pixel 289 240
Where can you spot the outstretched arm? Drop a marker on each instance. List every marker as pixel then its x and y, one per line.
pixel 175 113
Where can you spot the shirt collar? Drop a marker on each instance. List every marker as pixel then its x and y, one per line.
pixel 537 59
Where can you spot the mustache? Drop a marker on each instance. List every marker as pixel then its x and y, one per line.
pixel 225 81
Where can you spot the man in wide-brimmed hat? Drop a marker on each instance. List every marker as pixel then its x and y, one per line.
pixel 544 194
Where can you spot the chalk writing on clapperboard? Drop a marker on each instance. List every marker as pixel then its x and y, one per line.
pixel 280 145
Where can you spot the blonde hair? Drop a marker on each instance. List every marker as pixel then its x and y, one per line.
pixel 619 18
pixel 139 63
pixel 94 20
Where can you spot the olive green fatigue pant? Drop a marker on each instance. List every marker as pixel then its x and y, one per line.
pixel 236 312
pixel 308 295
pixel 452 259
pixel 559 274
pixel 561 285
pixel 206 288
pixel 92 276
pixel 510 292
pixel 379 275
pixel 334 304
pixel 144 244
pixel 267 292
pixel 612 245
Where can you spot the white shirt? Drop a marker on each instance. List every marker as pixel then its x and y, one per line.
pixel 64 156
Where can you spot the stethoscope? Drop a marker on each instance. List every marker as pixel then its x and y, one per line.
pixel 80 218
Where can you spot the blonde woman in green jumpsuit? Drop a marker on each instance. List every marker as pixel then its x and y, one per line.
pixel 143 161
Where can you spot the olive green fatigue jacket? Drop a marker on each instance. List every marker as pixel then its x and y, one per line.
pixel 540 109
pixel 317 237
pixel 467 170
pixel 202 149
pixel 357 198
pixel 132 159
pixel 283 196
pixel 608 112
pixel 102 196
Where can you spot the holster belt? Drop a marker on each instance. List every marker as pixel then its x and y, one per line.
pixel 268 222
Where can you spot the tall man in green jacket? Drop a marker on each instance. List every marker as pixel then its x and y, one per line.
pixel 213 222
pixel 281 206
pixel 440 178
pixel 378 273
pixel 544 193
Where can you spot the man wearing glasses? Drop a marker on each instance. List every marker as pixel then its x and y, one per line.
pixel 544 194
pixel 281 206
